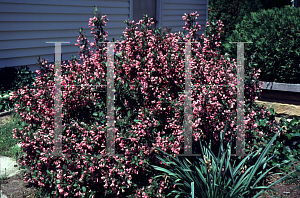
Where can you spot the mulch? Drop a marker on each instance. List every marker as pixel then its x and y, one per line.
pixel 284 188
pixel 14 187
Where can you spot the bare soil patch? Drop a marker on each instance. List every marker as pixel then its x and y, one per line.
pixel 14 187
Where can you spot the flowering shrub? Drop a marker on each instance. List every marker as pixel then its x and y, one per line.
pixel 149 70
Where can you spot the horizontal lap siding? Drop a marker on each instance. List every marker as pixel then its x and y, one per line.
pixel 25 27
pixel 173 10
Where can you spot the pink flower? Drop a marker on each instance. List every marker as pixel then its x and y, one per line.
pixel 92 44
pixel 61 190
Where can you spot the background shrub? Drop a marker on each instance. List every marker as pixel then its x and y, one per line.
pixel 275 50
pixel 12 79
pixel 231 12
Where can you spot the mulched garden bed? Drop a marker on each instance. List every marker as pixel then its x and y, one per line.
pixel 14 187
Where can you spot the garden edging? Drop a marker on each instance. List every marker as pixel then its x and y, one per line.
pixel 283 97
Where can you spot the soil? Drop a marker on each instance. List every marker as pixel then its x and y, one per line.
pixel 14 187
pixel 284 188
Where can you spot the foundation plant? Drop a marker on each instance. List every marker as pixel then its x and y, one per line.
pixel 149 102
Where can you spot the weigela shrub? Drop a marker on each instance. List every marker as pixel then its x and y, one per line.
pixel 149 101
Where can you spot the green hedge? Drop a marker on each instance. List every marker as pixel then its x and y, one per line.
pixel 275 50
pixel 231 12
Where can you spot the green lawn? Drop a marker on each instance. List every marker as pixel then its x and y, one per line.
pixel 8 145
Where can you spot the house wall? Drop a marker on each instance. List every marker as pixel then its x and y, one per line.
pixel 25 26
pixel 168 13
pixel 173 10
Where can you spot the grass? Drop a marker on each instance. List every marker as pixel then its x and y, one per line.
pixel 8 145
pixel 3 177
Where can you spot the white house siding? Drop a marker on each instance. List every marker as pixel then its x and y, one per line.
pixel 173 10
pixel 25 26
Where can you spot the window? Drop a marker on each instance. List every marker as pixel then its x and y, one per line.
pixel 141 7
